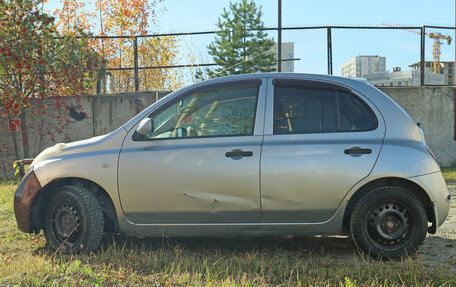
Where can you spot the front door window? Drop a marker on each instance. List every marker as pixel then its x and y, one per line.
pixel 228 110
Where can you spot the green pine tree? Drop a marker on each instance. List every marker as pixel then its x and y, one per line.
pixel 241 46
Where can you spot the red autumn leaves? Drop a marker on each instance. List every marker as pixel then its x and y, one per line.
pixel 38 62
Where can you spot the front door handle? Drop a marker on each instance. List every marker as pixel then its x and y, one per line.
pixel 238 153
pixel 356 150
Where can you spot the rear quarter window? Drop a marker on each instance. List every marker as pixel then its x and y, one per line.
pixel 354 114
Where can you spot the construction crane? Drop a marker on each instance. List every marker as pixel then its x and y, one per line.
pixel 436 46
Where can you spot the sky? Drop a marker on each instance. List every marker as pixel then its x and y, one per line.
pixel 181 15
pixel 401 48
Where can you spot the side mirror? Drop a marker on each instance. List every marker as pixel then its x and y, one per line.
pixel 180 132
pixel 145 127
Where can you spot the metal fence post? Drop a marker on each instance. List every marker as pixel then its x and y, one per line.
pixel 330 56
pixel 135 50
pixel 279 38
pixel 423 42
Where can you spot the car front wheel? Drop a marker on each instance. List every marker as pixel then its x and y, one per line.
pixel 388 223
pixel 74 220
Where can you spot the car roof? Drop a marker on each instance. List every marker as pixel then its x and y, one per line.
pixel 349 81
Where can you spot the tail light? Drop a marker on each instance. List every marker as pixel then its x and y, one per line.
pixel 433 156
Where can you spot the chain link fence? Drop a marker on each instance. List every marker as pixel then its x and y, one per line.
pixel 386 55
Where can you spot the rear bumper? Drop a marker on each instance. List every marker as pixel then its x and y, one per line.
pixel 436 188
pixel 23 199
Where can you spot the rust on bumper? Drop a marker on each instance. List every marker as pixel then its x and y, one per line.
pixel 23 199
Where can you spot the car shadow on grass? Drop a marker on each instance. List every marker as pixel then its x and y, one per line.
pixel 319 245
pixel 337 247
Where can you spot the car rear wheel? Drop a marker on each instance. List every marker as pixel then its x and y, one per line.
pixel 74 220
pixel 388 223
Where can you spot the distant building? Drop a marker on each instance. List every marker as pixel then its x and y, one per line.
pixel 362 66
pixel 413 77
pixel 405 78
pixel 287 53
pixel 446 69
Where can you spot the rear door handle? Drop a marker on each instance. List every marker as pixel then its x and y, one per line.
pixel 357 150
pixel 238 153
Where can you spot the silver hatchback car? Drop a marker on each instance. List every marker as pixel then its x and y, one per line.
pixel 262 154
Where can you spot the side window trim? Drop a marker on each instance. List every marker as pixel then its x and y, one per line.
pixel 310 84
pixel 323 85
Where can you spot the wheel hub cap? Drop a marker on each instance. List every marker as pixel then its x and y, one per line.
pixel 66 220
pixel 388 223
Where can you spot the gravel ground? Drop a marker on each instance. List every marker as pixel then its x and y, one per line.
pixel 440 249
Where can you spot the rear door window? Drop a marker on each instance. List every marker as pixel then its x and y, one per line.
pixel 318 109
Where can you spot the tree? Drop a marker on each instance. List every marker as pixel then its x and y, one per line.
pixel 115 17
pixel 132 18
pixel 125 18
pixel 241 46
pixel 74 17
pixel 38 62
pixel 160 52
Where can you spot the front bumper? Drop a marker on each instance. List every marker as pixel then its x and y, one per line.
pixel 23 199
pixel 435 186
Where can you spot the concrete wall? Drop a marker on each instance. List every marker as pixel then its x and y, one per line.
pixel 112 111
pixel 81 118
pixel 434 108
pixel 76 119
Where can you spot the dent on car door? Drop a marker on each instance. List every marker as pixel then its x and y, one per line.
pixel 320 140
pixel 200 164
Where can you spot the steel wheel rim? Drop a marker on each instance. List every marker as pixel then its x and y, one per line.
pixel 389 225
pixel 66 222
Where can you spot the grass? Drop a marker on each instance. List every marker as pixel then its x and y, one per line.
pixel 317 261
pixel 449 173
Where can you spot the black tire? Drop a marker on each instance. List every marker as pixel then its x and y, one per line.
pixel 388 223
pixel 74 220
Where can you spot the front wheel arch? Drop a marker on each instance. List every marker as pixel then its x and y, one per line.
pixel 43 197
pixel 406 184
pixel 73 220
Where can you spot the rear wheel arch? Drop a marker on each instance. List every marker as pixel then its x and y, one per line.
pixel 43 198
pixel 388 223
pixel 406 184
